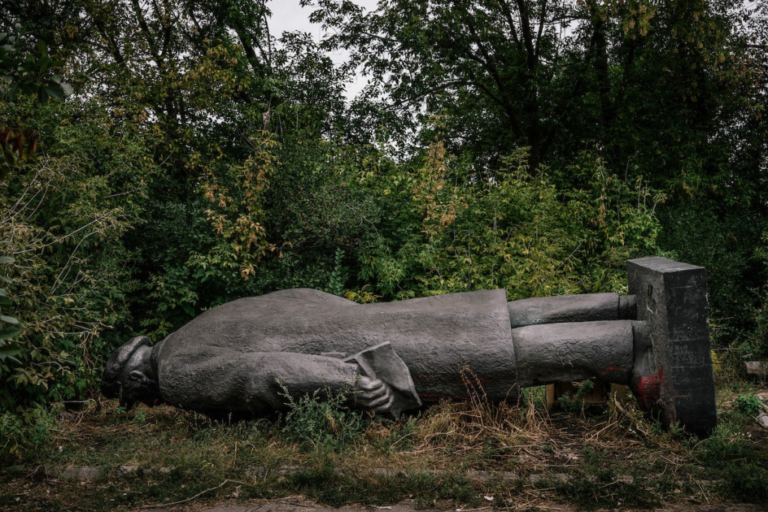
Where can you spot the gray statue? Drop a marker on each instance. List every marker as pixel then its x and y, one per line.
pixel 246 356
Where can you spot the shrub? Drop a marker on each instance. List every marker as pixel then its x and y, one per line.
pixel 28 430
pixel 322 421
pixel 453 228
pixel 749 404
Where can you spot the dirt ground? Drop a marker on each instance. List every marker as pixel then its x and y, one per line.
pixel 484 458
pixel 300 505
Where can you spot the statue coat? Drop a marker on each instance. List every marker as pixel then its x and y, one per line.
pixel 240 356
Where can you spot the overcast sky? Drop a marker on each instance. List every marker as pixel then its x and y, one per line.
pixel 289 16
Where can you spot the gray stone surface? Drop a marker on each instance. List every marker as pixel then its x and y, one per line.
pixel 757 368
pixel 81 473
pixel 574 351
pixel 381 362
pixel 672 302
pixel 588 307
pixel 246 357
pixel 233 356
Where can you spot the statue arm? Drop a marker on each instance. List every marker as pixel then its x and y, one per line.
pixel 282 373
pixel 256 382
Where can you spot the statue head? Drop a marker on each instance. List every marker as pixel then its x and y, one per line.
pixel 129 376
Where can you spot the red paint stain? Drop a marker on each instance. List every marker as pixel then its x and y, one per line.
pixel 612 369
pixel 649 389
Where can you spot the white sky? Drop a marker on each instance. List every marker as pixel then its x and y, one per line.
pixel 289 16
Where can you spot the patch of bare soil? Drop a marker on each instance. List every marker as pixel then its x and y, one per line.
pixel 298 504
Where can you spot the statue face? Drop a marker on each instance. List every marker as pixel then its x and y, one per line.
pixel 137 381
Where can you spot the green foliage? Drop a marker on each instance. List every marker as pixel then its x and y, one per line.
pixel 749 404
pixel 507 229
pixel 10 325
pixel 322 421
pixel 201 159
pixel 21 74
pixel 29 73
pixel 337 277
pixel 725 244
pixel 574 402
pixel 650 86
pixel 720 451
pixel 27 431
pixel 638 79
pixel 746 481
pixel 63 216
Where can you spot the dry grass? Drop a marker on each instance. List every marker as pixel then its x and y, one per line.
pixel 615 457
pixel 522 437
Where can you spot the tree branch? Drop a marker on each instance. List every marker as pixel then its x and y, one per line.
pixel 541 26
pixel 147 33
pixel 525 22
pixel 510 21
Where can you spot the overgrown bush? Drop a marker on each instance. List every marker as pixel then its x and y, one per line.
pixel 104 253
pixel 26 430
pixel 62 218
pixel 749 404
pixel 452 228
pixel 322 421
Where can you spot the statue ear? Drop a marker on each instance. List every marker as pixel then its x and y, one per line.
pixel 138 376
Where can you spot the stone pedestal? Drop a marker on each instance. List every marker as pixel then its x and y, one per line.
pixel 672 303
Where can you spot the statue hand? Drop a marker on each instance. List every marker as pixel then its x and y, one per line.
pixel 374 394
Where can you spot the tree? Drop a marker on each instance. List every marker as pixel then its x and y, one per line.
pixel 554 75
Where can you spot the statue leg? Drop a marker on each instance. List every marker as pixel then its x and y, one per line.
pixel 588 307
pixel 664 355
pixel 573 351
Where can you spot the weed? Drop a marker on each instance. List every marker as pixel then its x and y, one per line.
pixel 746 481
pixel 590 494
pixel 749 404
pixel 719 452
pixel 27 430
pixel 140 417
pixel 575 402
pixel 338 275
pixel 322 422
pixel 593 459
pixel 389 437
pixel 494 448
pixel 203 434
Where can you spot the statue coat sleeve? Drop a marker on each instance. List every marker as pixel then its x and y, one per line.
pixel 256 383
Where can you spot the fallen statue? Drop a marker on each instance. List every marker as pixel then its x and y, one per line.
pixel 245 357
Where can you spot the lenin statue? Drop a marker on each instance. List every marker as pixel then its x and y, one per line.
pixel 244 358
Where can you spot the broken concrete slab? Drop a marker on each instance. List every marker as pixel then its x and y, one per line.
pixel 128 470
pixel 757 368
pixel 82 473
